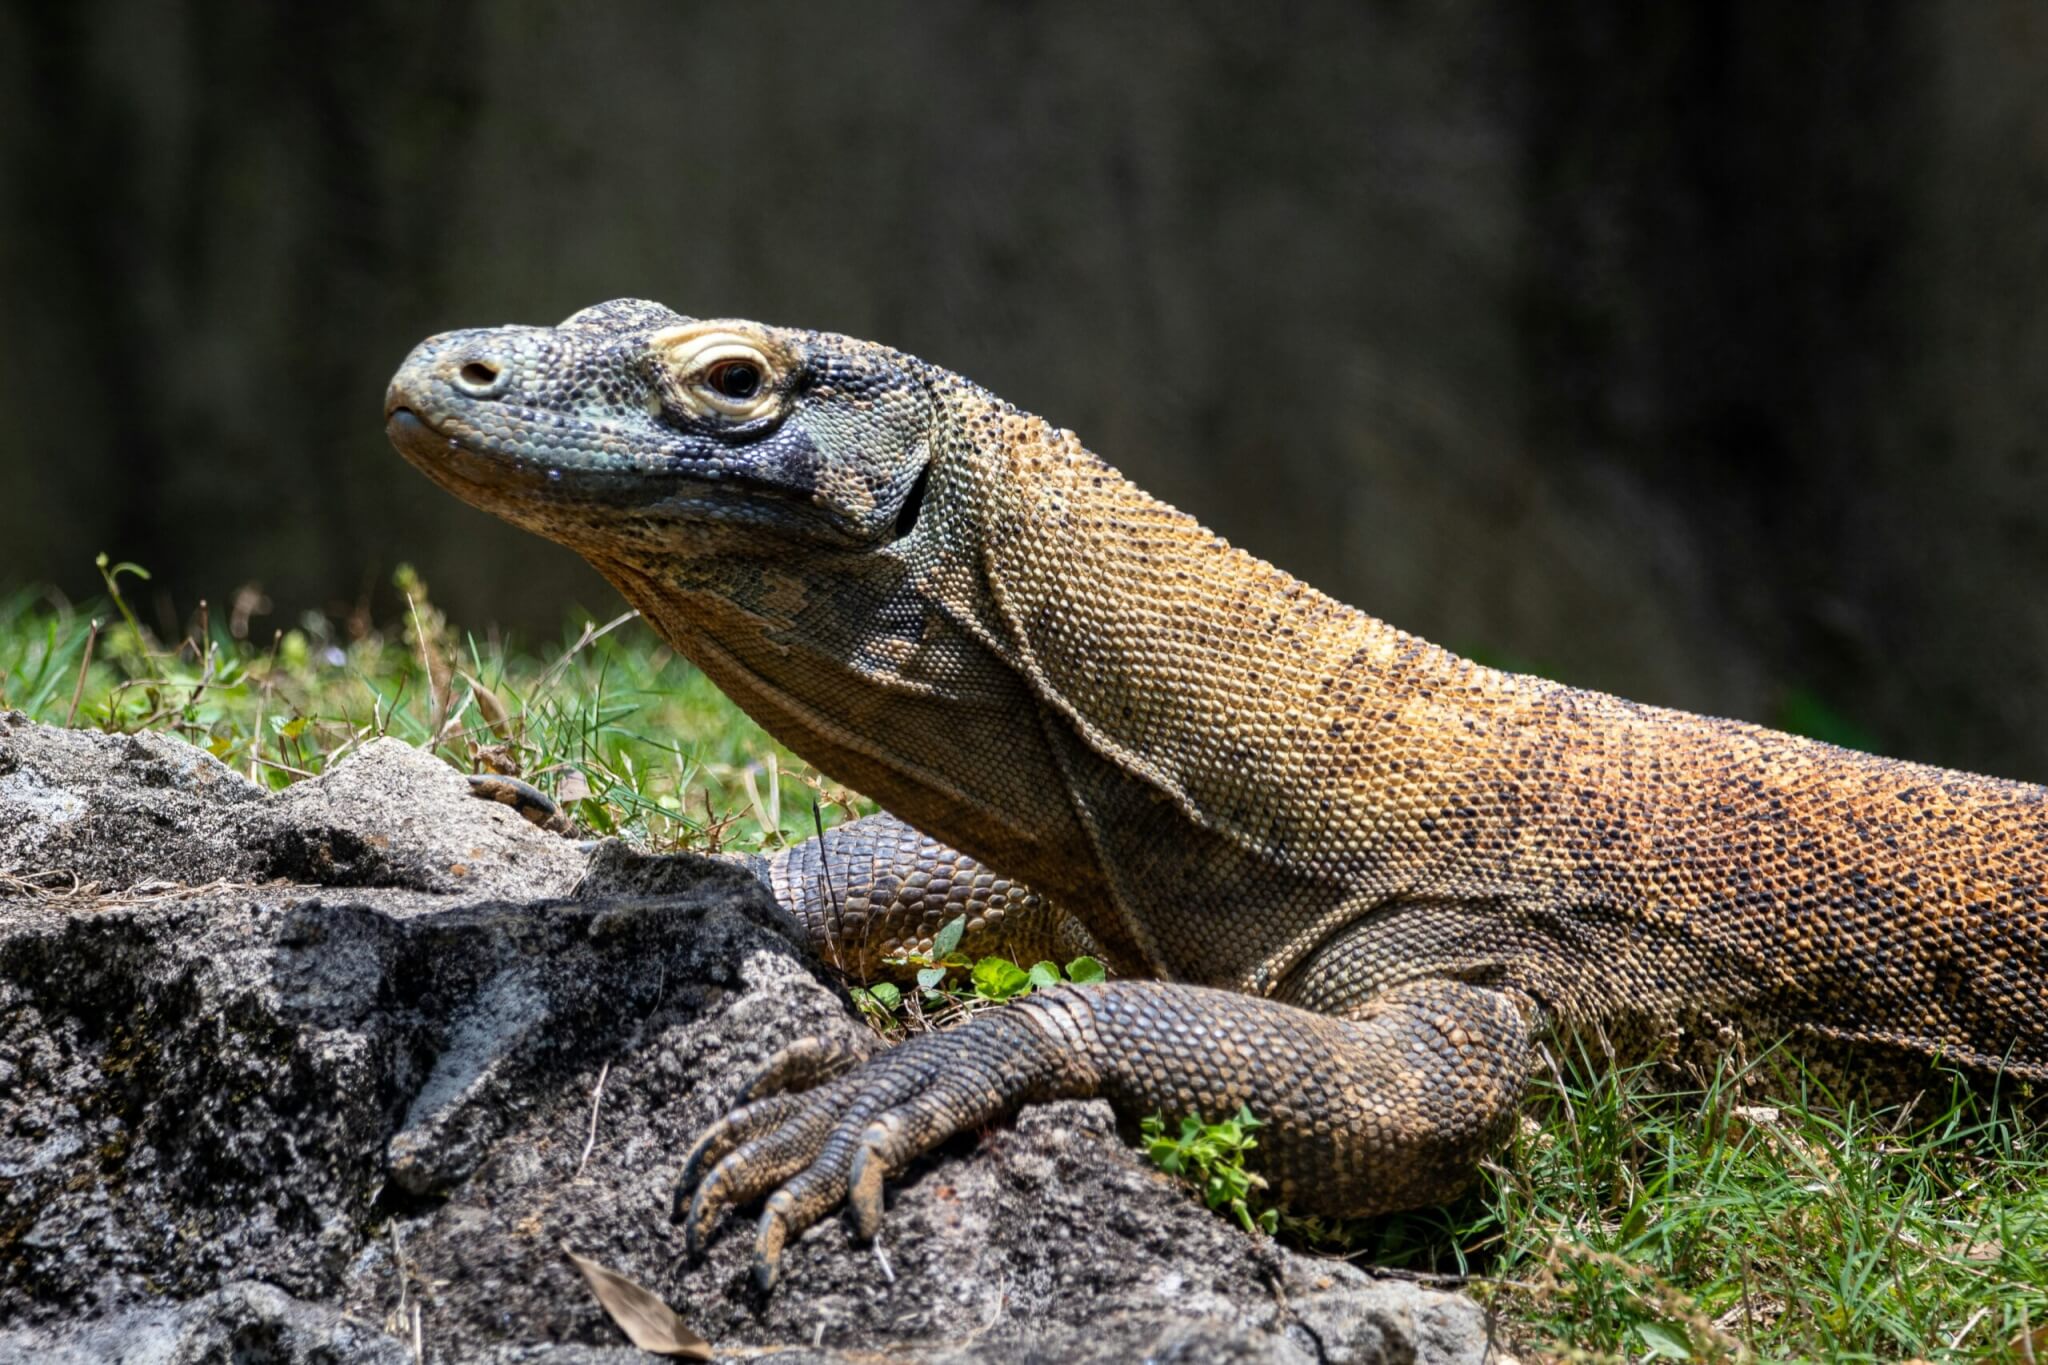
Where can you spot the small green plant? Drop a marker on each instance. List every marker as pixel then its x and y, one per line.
pixel 1210 1157
pixel 951 985
pixel 879 1001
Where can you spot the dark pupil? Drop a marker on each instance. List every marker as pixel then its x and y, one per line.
pixel 736 381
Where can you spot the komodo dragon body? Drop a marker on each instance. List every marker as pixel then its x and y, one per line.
pixel 1342 876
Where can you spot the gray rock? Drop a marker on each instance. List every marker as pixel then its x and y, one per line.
pixel 292 1069
pixel 246 1321
pixel 119 811
pixel 389 816
pixel 116 810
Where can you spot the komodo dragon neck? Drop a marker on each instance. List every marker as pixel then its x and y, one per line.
pixel 1083 667
pixel 1231 776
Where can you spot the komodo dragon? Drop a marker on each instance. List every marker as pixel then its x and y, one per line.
pixel 1342 876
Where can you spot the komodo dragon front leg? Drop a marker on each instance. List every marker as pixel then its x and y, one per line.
pixel 1389 1106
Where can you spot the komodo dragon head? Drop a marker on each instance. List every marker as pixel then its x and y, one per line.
pixel 631 432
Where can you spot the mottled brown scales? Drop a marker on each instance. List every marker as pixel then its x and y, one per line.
pixel 1363 876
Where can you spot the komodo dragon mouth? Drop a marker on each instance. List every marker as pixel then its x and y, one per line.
pixel 565 471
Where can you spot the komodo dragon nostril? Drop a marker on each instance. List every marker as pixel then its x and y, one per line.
pixel 481 377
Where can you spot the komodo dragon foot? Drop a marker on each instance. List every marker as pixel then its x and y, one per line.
pixel 1390 1108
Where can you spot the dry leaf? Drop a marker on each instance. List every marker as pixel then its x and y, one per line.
pixel 639 1312
pixel 498 758
pixel 2028 1346
pixel 490 708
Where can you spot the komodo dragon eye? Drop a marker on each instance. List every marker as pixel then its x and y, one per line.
pixel 738 380
pixel 714 370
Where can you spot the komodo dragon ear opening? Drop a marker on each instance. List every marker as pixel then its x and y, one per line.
pixel 913 503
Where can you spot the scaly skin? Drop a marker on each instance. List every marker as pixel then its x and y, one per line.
pixel 1364 875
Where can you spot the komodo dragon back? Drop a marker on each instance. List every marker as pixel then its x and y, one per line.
pixel 1343 875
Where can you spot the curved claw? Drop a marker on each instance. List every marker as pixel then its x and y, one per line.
pixel 770 1236
pixel 865 1181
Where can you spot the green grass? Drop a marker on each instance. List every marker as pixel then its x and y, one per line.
pixel 606 720
pixel 1737 1220
pixel 1750 1218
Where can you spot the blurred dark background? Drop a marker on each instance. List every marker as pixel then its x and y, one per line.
pixel 1694 351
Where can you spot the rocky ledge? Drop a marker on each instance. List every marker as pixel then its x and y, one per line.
pixel 337 1073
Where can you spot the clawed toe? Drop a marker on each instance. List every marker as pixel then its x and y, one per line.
pixel 816 1132
pixel 784 1149
pixel 728 1133
pixel 789 1212
pixel 865 1182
